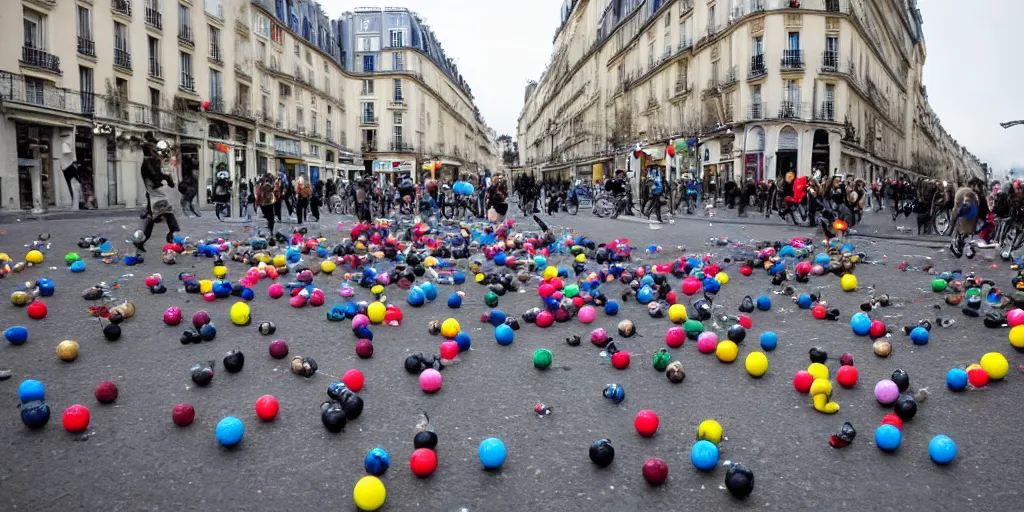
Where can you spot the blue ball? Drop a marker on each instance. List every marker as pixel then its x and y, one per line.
pixel 711 285
pixel 363 332
pixel 540 261
pixel 416 297
pixel 942 449
pixel 492 453
pixel 847 248
pixel 504 334
pixel 30 390
pixel 764 303
pixel 458 278
pixel 769 340
pixel 248 294
pixel 888 438
pixel 563 273
pixel 45 287
pixel 497 317
pixel 919 335
pixel 78 266
pixel 956 379
pixel 787 251
pixel 35 414
pixel 16 335
pixel 454 301
pixel 704 455
pixel 804 301
pixel 822 259
pixel 230 431
pixel 860 323
pixel 500 259
pixel 463 340
pixel 647 280
pixel 615 393
pixel 611 308
pixel 377 461
pixel 350 309
pixel 644 295
pixel 429 291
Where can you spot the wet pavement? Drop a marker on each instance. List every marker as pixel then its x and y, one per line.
pixel 133 457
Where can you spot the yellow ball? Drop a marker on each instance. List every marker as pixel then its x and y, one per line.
pixel 677 313
pixel 220 271
pixel 479 277
pixel 328 266
pixel 375 311
pixel 279 260
pixel 4 257
pixel 727 351
pixel 205 286
pixel 377 289
pixel 818 371
pixel 1017 336
pixel 550 273
pixel 34 257
pixel 757 364
pixel 67 350
pixel 709 430
pixel 581 258
pixel 369 493
pixel 995 364
pixel 450 328
pixel 722 278
pixel 430 262
pixel 240 313
pixel 848 282
pixel 854 258
pixel 20 298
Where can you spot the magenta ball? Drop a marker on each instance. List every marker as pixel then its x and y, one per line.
pixel 360 320
pixel 587 314
pixel 886 392
pixel 449 350
pixel 675 337
pixel 707 342
pixel 200 319
pixel 276 291
pixel 172 316
pixel 817 270
pixel 430 380
pixel 278 349
pixel 1015 317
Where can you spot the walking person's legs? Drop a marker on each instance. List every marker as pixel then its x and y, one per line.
pixel 268 213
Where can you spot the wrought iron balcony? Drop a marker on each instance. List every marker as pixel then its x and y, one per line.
pixel 827 112
pixel 122 59
pixel 36 58
pixel 17 89
pixel 145 115
pixel 185 36
pixel 368 147
pixel 369 120
pixel 757 67
pixel 86 47
pixel 756 5
pixel 401 147
pixel 216 105
pixel 830 61
pixel 789 109
pixel 792 60
pixel 730 77
pixel 187 82
pixel 756 111
pixel 121 7
pixel 215 54
pixel 397 103
pixel 154 18
pixel 832 5
pixel 155 69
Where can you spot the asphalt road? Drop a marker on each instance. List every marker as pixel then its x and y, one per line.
pixel 134 458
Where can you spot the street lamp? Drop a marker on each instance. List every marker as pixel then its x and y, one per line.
pixel 1011 123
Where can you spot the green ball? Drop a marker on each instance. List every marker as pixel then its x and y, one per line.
pixel 571 291
pixel 576 249
pixel 661 359
pixel 491 299
pixel 939 285
pixel 542 359
pixel 973 292
pixel 693 328
pixel 699 275
pixel 72 257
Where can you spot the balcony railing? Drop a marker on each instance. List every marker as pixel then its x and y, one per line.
pixel 399 146
pixel 86 47
pixel 122 59
pixel 368 147
pixel 756 111
pixel 370 120
pixel 792 59
pixel 832 5
pixel 215 54
pixel 155 69
pixel 187 82
pixel 154 18
pixel 827 111
pixel 756 5
pixel 16 89
pixel 145 115
pixel 830 61
pixel 789 109
pixel 121 7
pixel 397 103
pixel 757 67
pixel 682 86
pixel 36 58
pixel 216 105
pixel 185 36
pixel 730 77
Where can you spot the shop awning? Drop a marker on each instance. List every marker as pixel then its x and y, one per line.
pixel 42 120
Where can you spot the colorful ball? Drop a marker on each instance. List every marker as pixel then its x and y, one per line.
pixel 611 308
pixel 183 415
pixel 275 291
pixel 542 358
pixel 364 348
pixel 375 312
pixel 34 257
pixel 16 335
pixel 67 350
pixel 894 420
pixel 769 340
pixel 848 282
pixel 278 349
pixel 646 423
pixel 450 328
pixel 722 278
pixel 860 323
pixel 919 335
pixel 267 407
pixel 621 360
pixel 545 319
pixel 430 380
pixel 675 336
pixel 369 493
pixel 106 392
pixel 1017 336
pixel 492 453
pixel 37 310
pixel 818 370
pixel 1015 317
pixel 35 414
pixel 240 313
pixel 377 461
pixel 354 379
pixel 756 364
pixel 939 285
pixel 802 381
pixel 877 329
pixel 956 379
pixel 726 351
pixel 704 455
pixel 504 334
pixel 587 314
pixel 230 431
pixel 996 365
pixel 847 376
pixel 888 438
pixel 76 418
pixel 977 376
pixel 886 392
pixel 423 462
pixel 30 390
pixel 655 471
pixel 942 449
pixel 764 303
pixel 710 430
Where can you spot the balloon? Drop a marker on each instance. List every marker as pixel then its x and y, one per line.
pixel 726 351
pixel 430 380
pixel 888 438
pixel 710 430
pixel 646 423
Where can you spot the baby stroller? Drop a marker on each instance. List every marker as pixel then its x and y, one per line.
pixel 964 229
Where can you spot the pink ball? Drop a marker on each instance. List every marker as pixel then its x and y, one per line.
pixel 707 342
pixel 587 314
pixel 316 298
pixel 276 291
pixel 886 392
pixel 430 380
pixel 675 337
pixel 599 336
pixel 209 297
pixel 360 320
pixel 172 316
pixel 278 349
pixel 545 290
pixel 449 350
pixel 1015 317
pixel 297 301
pixel 200 319
pixel 803 268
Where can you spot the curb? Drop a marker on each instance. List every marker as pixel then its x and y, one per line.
pixel 10 217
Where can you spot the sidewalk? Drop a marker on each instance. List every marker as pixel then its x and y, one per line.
pixel 11 216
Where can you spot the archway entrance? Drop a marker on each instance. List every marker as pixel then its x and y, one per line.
pixel 820 155
pixel 786 155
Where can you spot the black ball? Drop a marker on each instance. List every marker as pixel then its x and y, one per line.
pixel 818 355
pixel 512 322
pixel 267 328
pixel 190 336
pixel 202 376
pixel 602 453
pixel 901 378
pixel 352 405
pixel 425 440
pixel 233 361
pixel 414 364
pixel 737 333
pixel 333 417
pixel 35 414
pixel 739 480
pixel 905 407
pixel 112 332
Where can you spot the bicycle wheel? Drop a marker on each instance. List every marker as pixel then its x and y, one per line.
pixel 573 206
pixel 448 211
pixel 942 223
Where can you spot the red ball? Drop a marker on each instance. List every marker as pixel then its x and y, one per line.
pixel 894 420
pixel 364 349
pixel 803 268
pixel 746 271
pixel 802 381
pixel 655 471
pixel 620 360
pixel 209 297
pixel 449 349
pixel 278 349
pixel 423 462
pixel 691 285
pixel 557 283
pixel 393 316
pixel 76 418
pixel 545 319
pixel 745 321
pixel 670 297
pixel 183 414
pixel 200 318
pixel 267 407
pixel 577 301
pixel 37 310
pixel 711 270
pixel 646 423
pixel 978 377
pixel 847 376
pixel 675 337
pixel 106 392
pixel 818 312
pixel 557 295
pixel 152 281
pixel 877 329
pixel 354 379
pixel 545 290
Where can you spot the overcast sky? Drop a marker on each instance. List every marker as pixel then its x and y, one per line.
pixel 973 72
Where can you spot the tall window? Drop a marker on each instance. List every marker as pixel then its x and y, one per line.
pixel 154 57
pixel 214 8
pixel 216 90
pixel 184 23
pixel 330 133
pixel 367 87
pixel 300 118
pixel 312 121
pixel 187 81
pixel 85 85
pixel 397 39
pixel 758 47
pixel 397 136
pixel 397 62
pixel 84 23
pixel 792 91
pixel 262 25
pixel 367 111
pixel 397 118
pixel 215 53
pixel 398 89
pixel 369 63
pixel 832 44
pixel 794 40
pixel 35 37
